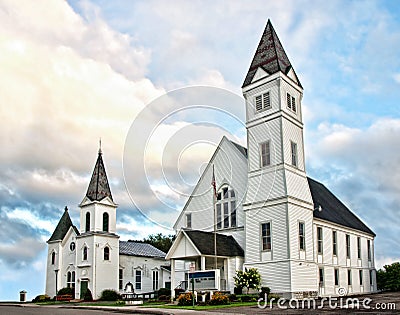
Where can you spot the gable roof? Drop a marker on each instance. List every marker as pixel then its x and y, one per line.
pixel 333 209
pixel 204 242
pixel 62 227
pixel 241 149
pixel 98 187
pixel 132 248
pixel 270 56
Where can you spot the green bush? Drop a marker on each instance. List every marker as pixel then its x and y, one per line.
pixel 64 291
pixel 164 291
pixel 219 298
pixel 265 291
pixel 164 297
pixel 247 297
pixel 41 298
pixel 88 295
pixel 185 299
pixel 110 295
pixel 232 297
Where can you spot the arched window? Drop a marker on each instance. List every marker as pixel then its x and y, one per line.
pixel 53 258
pixel 69 276
pixel 105 222
pixel 84 253
pixel 106 253
pixel 226 208
pixel 87 226
pixel 71 279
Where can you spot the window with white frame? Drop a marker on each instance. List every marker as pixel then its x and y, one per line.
pixel 319 240
pixel 360 276
pixel 262 101
pixel 87 222
pixel 71 279
pixel 226 208
pixel 371 280
pixel 336 276
pixel 189 220
pixel 120 279
pixel 334 243
pixel 293 149
pixel 369 250
pixel 291 102
pixel 106 253
pixel 85 253
pixel 265 154
pixel 53 258
pixel 302 236
pixel 138 279
pixel 105 222
pixel 321 276
pixel 155 280
pixel 359 247
pixel 347 245
pixel 266 241
pixel 349 280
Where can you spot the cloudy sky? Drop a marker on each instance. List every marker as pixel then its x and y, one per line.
pixel 76 71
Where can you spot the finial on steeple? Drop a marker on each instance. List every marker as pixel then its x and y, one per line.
pixel 66 208
pixel 100 146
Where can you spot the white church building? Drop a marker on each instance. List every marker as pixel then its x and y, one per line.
pixel 92 257
pixel 268 214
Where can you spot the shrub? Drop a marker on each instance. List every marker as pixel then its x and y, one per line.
pixel 219 298
pixel 110 295
pixel 64 291
pixel 246 297
pixel 164 291
pixel 249 278
pixel 237 290
pixel 41 298
pixel 88 295
pixel 232 297
pixel 185 299
pixel 164 297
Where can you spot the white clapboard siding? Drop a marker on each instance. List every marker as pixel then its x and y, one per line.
pixel 285 87
pixel 303 276
pixel 292 133
pixel 297 186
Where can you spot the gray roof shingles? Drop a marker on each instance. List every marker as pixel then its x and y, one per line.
pixel 333 210
pixel 98 187
pixel 204 242
pixel 62 227
pixel 131 248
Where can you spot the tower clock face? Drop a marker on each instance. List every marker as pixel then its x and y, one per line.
pixel 72 246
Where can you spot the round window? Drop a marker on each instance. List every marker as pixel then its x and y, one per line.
pixel 72 246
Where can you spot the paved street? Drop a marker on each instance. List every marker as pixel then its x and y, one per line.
pixel 383 303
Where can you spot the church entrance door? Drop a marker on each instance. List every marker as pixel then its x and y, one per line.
pixel 84 287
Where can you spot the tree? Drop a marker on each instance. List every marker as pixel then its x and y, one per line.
pixel 389 278
pixel 249 279
pixel 160 241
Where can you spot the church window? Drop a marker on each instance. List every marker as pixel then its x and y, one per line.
pixel 85 253
pixel 189 220
pixel 369 250
pixel 155 280
pixel 349 277
pixel 371 280
pixel 266 236
pixel 293 147
pixel 87 223
pixel 291 102
pixel 105 221
pixel 360 276
pixel 138 279
pixel 265 153
pixel 334 243
pixel 72 246
pixel 233 213
pixel 226 213
pixel 120 279
pixel 358 247
pixel 336 276
pixel 302 239
pixel 319 240
pixel 347 245
pixel 106 254
pixel 262 101
pixel 53 258
pixel 71 279
pixel 321 276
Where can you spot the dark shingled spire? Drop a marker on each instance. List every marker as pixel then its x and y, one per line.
pixel 270 56
pixel 98 188
pixel 62 227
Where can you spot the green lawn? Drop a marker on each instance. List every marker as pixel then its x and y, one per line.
pixel 201 307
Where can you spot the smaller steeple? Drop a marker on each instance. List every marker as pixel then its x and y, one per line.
pixel 98 187
pixel 270 56
pixel 62 227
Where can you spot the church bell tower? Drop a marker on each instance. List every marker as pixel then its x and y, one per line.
pixel 278 204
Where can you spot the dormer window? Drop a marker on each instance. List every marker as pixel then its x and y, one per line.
pixel 262 101
pixel 291 102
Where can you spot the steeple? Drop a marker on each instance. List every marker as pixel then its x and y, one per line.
pixel 270 56
pixel 98 187
pixel 62 227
